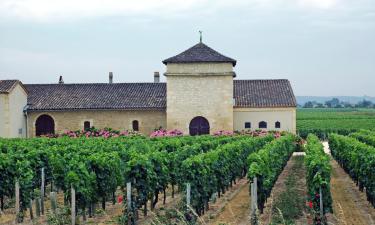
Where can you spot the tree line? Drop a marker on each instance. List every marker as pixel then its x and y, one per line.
pixel 336 103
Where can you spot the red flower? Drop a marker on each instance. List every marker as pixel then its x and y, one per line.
pixel 119 199
pixel 310 204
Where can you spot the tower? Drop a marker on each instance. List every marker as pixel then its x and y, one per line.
pixel 199 91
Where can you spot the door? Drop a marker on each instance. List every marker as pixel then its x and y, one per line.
pixel 198 126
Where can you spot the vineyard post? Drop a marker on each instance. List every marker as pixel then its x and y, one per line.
pixel 188 192
pixel 17 200
pixel 73 196
pixel 254 201
pixel 42 193
pixel 256 193
pixel 31 210
pixel 53 201
pixel 321 202
pixel 129 195
pixel 37 207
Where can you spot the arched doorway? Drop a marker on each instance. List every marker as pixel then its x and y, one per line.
pixel 44 125
pixel 199 125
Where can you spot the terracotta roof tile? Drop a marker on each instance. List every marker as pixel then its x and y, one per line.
pixel 7 85
pixel 263 93
pixel 96 96
pixel 143 96
pixel 199 53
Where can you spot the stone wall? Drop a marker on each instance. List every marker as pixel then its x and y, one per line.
pixel 116 119
pixel 17 102
pixel 4 115
pixel 200 90
pixel 286 117
pixel 12 119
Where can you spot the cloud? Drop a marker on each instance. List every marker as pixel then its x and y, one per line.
pixel 55 9
pixel 50 10
pixel 323 4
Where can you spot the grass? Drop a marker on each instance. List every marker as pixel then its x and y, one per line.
pixel 289 206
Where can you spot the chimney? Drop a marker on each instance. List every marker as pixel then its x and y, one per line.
pixel 156 77
pixel 110 77
pixel 61 81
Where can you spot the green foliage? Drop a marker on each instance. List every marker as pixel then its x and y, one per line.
pixel 268 163
pixel 290 204
pixel 215 170
pixel 322 122
pixel 96 167
pixel 358 160
pixel 318 173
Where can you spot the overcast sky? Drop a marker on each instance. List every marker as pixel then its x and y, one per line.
pixel 324 47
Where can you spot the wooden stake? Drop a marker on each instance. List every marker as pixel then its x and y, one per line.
pixel 129 195
pixel 53 201
pixel 17 187
pixel 256 193
pixel 37 207
pixel 188 195
pixel 73 196
pixel 42 193
pixel 321 202
pixel 31 210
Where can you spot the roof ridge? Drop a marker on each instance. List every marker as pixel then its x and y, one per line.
pixel 65 84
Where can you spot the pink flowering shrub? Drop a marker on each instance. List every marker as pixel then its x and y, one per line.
pixel 261 133
pixel 93 132
pixel 166 133
pixel 223 133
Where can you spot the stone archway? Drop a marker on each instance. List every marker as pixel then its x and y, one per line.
pixel 44 125
pixel 198 126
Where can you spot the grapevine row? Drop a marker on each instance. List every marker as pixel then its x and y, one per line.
pixel 358 160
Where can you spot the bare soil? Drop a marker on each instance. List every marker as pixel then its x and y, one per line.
pixel 233 208
pixel 350 206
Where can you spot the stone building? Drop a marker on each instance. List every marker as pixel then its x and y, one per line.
pixel 200 96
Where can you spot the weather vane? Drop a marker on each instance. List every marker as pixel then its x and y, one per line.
pixel 200 36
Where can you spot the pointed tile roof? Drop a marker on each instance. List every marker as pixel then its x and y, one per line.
pixel 6 86
pixel 199 53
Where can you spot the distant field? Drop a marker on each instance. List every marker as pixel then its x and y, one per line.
pixel 323 121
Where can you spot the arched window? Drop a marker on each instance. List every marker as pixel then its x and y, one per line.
pixel 277 124
pixel 247 125
pixel 262 124
pixel 86 125
pixel 135 125
pixel 44 125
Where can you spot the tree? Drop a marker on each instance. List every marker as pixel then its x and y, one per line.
pixel 308 104
pixel 364 104
pixel 332 103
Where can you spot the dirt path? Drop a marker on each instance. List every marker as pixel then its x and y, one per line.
pixel 236 211
pixel 350 206
pixel 281 193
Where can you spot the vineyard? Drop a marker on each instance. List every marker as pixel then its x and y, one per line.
pixel 194 172
pixel 321 122
pixel 97 167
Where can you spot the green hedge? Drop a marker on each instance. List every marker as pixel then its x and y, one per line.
pixel 358 160
pixel 318 173
pixel 268 163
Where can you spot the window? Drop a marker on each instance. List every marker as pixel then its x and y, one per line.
pixel 135 125
pixel 86 125
pixel 262 124
pixel 247 125
pixel 277 124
